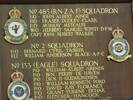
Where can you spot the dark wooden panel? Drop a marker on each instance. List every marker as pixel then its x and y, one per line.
pixel 60 1
pixel 118 75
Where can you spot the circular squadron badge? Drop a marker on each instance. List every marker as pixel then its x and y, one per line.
pixel 18 90
pixel 118 47
pixel 15 28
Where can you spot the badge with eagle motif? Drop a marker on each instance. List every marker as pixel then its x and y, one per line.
pixel 118 47
pixel 18 89
pixel 15 28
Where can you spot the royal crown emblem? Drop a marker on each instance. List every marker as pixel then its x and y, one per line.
pixel 18 89
pixel 14 13
pixel 118 47
pixel 17 76
pixel 15 28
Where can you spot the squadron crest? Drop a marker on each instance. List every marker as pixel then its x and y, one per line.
pixel 15 28
pixel 18 89
pixel 118 47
